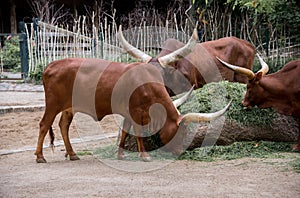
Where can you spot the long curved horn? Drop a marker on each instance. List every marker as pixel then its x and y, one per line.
pixel 264 67
pixel 204 117
pixel 133 51
pixel 245 71
pixel 184 98
pixel 181 52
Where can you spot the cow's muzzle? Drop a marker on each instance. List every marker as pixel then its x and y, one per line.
pixel 247 105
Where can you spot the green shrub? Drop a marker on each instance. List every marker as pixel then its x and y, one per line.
pixel 37 75
pixel 10 54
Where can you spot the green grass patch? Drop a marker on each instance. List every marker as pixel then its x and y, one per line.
pixel 296 164
pixel 237 150
pixel 110 152
pixel 214 96
pixel 84 153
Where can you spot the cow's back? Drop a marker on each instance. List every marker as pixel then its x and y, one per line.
pixel 285 86
pixel 233 50
pixel 289 75
pixel 201 65
pixel 134 86
pixel 98 87
pixel 58 80
pixel 72 83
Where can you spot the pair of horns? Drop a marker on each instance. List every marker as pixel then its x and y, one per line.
pixel 247 72
pixel 197 117
pixel 165 60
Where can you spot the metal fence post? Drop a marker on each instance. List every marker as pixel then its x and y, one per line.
pixel 36 34
pixel 23 51
pixel 102 46
pixel 267 36
pixel 94 47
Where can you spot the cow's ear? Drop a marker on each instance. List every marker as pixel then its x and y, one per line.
pixel 258 76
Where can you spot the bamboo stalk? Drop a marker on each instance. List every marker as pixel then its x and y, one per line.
pixel 29 49
pixel 44 45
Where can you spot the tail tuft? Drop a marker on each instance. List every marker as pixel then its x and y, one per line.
pixel 52 137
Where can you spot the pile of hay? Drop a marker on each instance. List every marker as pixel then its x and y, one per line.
pixel 214 96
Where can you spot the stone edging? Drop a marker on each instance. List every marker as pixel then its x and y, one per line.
pixel 30 108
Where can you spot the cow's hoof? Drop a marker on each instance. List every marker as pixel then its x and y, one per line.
pixel 121 157
pixel 177 152
pixel 147 159
pixel 74 157
pixel 41 160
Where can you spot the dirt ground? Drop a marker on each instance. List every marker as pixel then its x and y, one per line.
pixel 21 176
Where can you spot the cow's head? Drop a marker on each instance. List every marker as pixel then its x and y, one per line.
pixel 174 80
pixel 162 119
pixel 255 91
pixel 179 128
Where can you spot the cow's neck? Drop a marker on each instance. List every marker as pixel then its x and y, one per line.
pixel 275 95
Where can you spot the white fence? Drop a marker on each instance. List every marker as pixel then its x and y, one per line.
pixel 47 43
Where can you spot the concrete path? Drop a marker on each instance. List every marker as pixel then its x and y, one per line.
pixel 16 97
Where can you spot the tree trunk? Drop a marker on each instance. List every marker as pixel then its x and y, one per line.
pixel 283 129
pixel 13 17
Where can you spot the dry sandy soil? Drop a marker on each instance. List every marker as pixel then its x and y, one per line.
pixel 20 176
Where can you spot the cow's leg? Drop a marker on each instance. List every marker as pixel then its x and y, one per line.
pixel 142 151
pixel 45 125
pixel 64 124
pixel 125 131
pixel 296 147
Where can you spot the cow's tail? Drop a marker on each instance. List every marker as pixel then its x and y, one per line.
pixel 52 137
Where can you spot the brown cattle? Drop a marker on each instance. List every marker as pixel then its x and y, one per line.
pixel 200 66
pixel 280 90
pixel 99 88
